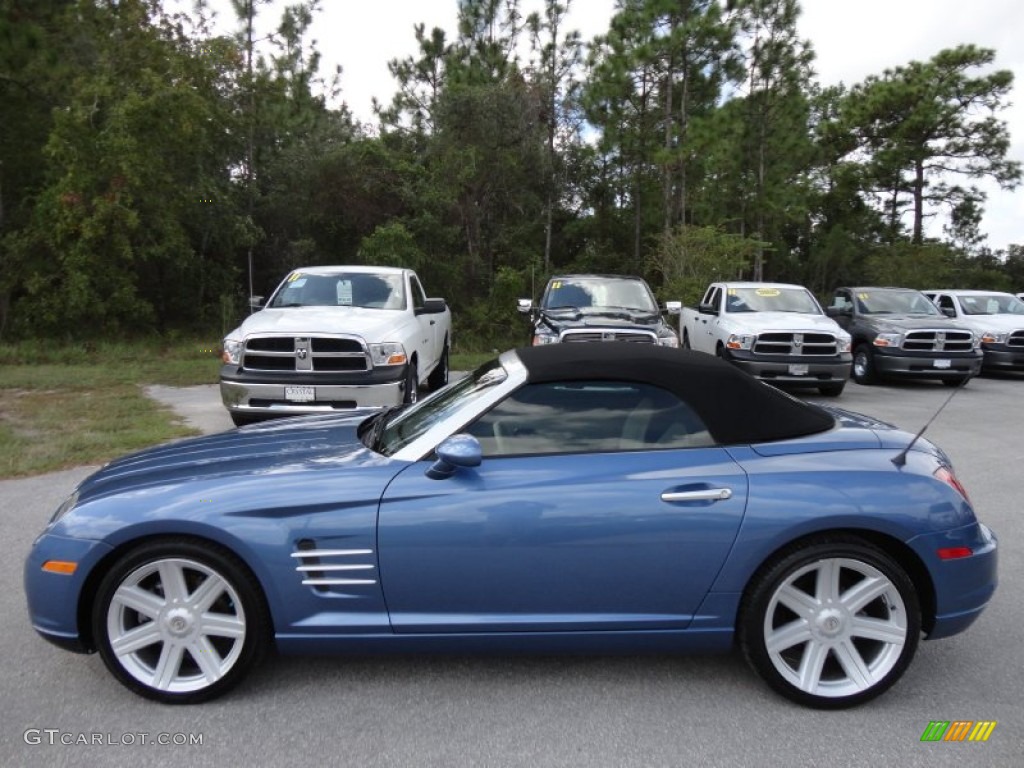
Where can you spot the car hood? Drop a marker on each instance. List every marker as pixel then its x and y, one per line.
pixel 786 321
pixel 994 322
pixel 898 323
pixel 276 447
pixel 370 323
pixel 602 318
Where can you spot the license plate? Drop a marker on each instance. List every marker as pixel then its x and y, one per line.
pixel 798 370
pixel 943 363
pixel 300 394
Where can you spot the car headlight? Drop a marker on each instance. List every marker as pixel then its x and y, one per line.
pixel 67 506
pixel 668 340
pixel 387 353
pixel 844 344
pixel 992 337
pixel 740 341
pixel 543 337
pixel 888 339
pixel 231 352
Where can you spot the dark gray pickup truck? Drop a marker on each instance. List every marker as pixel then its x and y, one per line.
pixel 900 333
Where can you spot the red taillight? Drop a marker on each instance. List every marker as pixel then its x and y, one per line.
pixel 945 474
pixel 954 553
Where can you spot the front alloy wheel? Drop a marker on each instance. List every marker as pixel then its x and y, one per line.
pixel 831 625
pixel 864 365
pixel 179 621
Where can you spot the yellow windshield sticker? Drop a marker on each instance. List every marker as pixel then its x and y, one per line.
pixel 862 296
pixel 732 292
pixel 294 276
pixel 768 292
pixel 556 285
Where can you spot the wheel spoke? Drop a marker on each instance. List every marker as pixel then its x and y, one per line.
pixel 207 658
pixel 798 601
pixel 881 630
pixel 853 664
pixel 138 599
pixel 811 665
pixel 168 665
pixel 863 592
pixel 206 594
pixel 221 625
pixel 136 639
pixel 172 576
pixel 828 580
pixel 791 634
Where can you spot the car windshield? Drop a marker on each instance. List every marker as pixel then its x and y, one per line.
pixel 341 289
pixel 599 292
pixel 771 299
pixel 992 304
pixel 410 423
pixel 891 302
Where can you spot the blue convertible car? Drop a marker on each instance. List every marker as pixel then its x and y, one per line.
pixel 574 498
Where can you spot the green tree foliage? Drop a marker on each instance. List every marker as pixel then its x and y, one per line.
pixel 688 258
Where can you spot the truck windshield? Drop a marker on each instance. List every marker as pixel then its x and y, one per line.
pixel 771 299
pixel 992 304
pixel 603 292
pixel 894 302
pixel 340 289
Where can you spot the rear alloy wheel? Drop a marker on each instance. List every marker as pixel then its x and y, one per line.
pixel 180 621
pixel 831 624
pixel 864 365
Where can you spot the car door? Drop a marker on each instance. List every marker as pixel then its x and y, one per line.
pixel 583 515
pixel 429 331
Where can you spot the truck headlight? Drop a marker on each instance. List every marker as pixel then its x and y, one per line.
pixel 740 341
pixel 668 340
pixel 231 351
pixel 387 353
pixel 844 344
pixel 888 339
pixel 992 337
pixel 541 337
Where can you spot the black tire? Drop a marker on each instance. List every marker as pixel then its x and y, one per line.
pixel 864 365
pixel 812 654
pixel 832 390
pixel 439 376
pixel 186 662
pixel 956 382
pixel 412 385
pixel 242 419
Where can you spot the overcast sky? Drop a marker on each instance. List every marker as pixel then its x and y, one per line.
pixel 851 40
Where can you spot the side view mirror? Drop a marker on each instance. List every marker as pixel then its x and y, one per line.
pixel 255 302
pixel 839 311
pixel 432 307
pixel 673 307
pixel 459 450
pixel 707 309
pixel 948 311
pixel 524 306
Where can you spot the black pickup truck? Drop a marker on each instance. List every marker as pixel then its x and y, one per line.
pixel 599 308
pixel 899 333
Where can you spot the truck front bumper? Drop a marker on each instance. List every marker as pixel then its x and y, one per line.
pixel 1003 358
pixel 796 370
pixel 899 363
pixel 245 393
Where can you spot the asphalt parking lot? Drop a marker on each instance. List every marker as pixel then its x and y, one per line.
pixel 576 711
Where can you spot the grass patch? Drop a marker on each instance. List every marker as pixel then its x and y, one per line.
pixel 64 406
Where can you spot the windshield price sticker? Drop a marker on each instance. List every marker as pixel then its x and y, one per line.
pixel 768 292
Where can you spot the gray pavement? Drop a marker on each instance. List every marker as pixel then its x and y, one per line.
pixel 576 711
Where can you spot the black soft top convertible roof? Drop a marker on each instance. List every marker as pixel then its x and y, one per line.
pixel 735 407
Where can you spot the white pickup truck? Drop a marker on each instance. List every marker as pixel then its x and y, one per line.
pixel 997 318
pixel 775 331
pixel 335 338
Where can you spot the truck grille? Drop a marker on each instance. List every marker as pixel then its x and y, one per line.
pixel 938 341
pixel 1016 339
pixel 787 343
pixel 642 337
pixel 316 354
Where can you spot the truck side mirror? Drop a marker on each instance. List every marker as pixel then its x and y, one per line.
pixel 948 311
pixel 432 307
pixel 255 302
pixel 524 306
pixel 839 311
pixel 673 307
pixel 707 309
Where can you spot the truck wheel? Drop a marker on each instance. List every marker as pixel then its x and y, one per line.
pixel 832 390
pixel 412 385
pixel 864 365
pixel 439 376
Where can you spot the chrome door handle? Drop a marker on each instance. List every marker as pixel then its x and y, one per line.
pixel 708 494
